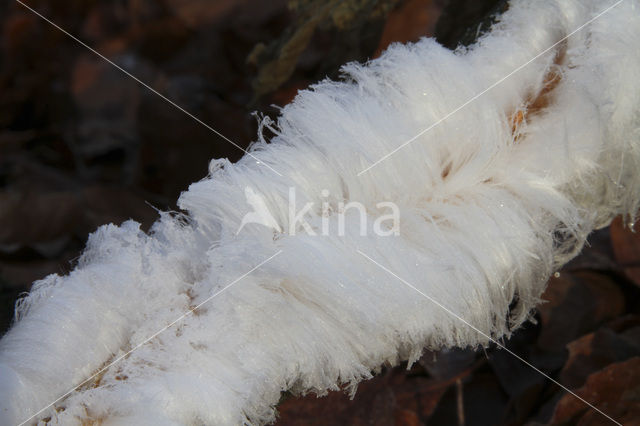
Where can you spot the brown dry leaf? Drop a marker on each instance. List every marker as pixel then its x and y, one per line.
pixel 396 397
pixel 406 418
pixel 105 204
pixel 29 218
pixel 196 13
pixel 42 232
pixel 410 21
pixel 577 303
pixel 447 363
pixel 615 390
pixel 595 351
pixel 37 219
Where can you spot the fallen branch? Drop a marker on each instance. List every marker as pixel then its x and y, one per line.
pixel 499 164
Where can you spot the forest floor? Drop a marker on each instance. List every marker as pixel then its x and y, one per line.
pixel 82 144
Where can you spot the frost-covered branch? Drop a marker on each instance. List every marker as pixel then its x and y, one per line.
pixel 493 200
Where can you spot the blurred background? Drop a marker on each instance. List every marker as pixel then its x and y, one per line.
pixel 82 144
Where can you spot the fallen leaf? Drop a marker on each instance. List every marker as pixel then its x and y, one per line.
pixel 615 390
pixel 595 351
pixel 577 303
